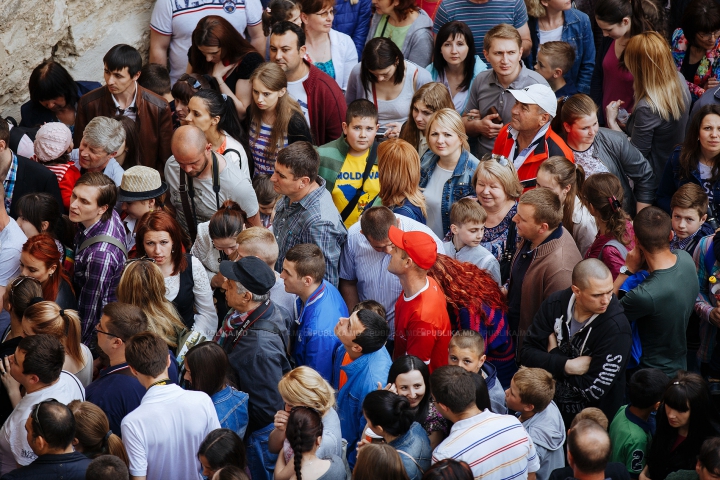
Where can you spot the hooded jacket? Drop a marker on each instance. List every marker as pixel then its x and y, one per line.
pixel 547 431
pixel 605 337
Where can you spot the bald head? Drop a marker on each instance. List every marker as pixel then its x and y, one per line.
pixel 588 448
pixel 588 269
pixel 188 141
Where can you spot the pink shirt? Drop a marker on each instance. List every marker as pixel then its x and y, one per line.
pixel 617 81
pixel 610 256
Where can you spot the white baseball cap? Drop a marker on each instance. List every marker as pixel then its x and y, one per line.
pixel 538 94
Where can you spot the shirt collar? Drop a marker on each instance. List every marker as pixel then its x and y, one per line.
pixel 12 171
pixel 132 107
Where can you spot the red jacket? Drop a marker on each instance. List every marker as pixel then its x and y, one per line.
pixel 527 173
pixel 326 106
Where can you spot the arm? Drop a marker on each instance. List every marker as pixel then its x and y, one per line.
pixel 421 50
pixel 257 37
pixel 202 249
pixel 637 169
pixel 348 290
pixel 587 62
pixel 534 351
pixel 643 129
pixel 136 452
pixel 277 436
pixel 159 44
pixel 284 471
pixel 330 237
pixel 524 32
pixel 206 316
pixel 165 133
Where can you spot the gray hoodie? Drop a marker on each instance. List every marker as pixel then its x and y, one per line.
pixel 418 44
pixel 547 431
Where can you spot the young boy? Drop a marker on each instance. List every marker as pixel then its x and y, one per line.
pixel 467 350
pixel 349 164
pixel 530 395
pixel 467 224
pixel 267 198
pixel 688 209
pixel 555 59
pixel 632 429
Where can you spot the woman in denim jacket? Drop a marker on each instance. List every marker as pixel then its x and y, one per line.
pixel 446 169
pixel 206 367
pixel 390 416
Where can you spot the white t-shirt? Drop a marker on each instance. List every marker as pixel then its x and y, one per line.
pixel 433 199
pixel 297 91
pixel 14 448
pixel 554 35
pixel 162 436
pixel 178 19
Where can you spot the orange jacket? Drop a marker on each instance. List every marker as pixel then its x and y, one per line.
pixel 527 173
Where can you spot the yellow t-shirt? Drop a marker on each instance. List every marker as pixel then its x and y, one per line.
pixel 349 180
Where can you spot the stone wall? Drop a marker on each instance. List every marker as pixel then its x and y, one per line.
pixel 75 33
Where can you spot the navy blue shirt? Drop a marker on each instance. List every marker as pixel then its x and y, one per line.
pixel 68 466
pixel 567 90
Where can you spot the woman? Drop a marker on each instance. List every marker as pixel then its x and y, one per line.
pixel 305 433
pixel 399 175
pixel 696 46
pixel 428 99
pixel 214 114
pixel 599 150
pixel 391 417
pixel 276 120
pixel 141 191
pixel 45 317
pixel 280 11
pixel 696 161
pixel 40 213
pixel 93 436
pixel 566 179
pixel 41 260
pixel 217 241
pixel 685 419
pixel 129 154
pixel 557 20
pixel 331 51
pixel 52 146
pixel 662 100
pixel 160 237
pixel 446 169
pixel 206 370
pixel 409 377
pixel 449 469
pixel 379 461
pixel 142 284
pixel 187 85
pixel 388 80
pixel 408 26
pixel 603 196
pixel 221 447
pixel 219 50
pixel 455 63
pixel 475 302
pixel 304 387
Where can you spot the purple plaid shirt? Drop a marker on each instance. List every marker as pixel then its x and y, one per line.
pixel 97 272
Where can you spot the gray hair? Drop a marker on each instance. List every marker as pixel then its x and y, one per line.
pixel 255 298
pixel 106 133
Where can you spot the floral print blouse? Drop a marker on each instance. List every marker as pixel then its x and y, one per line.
pixel 709 65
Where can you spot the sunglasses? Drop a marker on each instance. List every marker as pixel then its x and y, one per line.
pixel 36 419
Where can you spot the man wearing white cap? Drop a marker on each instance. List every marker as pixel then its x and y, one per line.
pixel 527 140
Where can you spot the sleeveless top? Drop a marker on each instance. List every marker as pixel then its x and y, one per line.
pixel 396 110
pixel 185 300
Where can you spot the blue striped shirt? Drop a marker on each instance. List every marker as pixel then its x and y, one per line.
pixel 263 163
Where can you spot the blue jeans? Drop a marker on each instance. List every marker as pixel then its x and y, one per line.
pixel 260 461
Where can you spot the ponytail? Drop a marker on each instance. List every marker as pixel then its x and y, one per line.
pixel 221 105
pixel 390 411
pixel 113 445
pixel 605 193
pixel 565 173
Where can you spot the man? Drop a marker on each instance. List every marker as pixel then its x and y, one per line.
pixel 422 323
pixel 172 24
pixel 527 140
pixel 363 264
pixel 544 262
pixel 359 364
pixel 503 48
pixel 12 239
pixel 588 450
pixel 107 467
pixel 194 155
pixel 121 95
pixel 163 434
pixel 50 430
pixel 37 367
pixel 100 247
pixel 661 305
pixel 320 98
pixel 319 306
pixel 101 141
pixel 581 336
pixel 255 337
pixel 20 175
pixel 494 445
pixel 307 213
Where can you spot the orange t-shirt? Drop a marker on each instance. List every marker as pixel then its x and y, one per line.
pixel 343 376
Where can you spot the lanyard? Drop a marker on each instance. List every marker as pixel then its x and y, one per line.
pixel 249 321
pixel 164 381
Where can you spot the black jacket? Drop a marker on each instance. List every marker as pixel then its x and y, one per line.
pixel 68 466
pixel 607 339
pixel 33 177
pixel 596 83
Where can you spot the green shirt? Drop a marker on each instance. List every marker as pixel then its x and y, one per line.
pixel 662 305
pixel 396 34
pixel 630 437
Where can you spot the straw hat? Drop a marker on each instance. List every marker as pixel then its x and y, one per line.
pixel 141 183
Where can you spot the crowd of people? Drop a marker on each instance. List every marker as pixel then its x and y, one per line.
pixel 387 240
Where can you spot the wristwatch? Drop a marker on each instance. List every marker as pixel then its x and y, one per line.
pixel 624 270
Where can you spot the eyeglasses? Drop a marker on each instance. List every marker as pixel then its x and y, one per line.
pixel 141 259
pixel 19 280
pixel 105 333
pixel 326 13
pixel 35 416
pixel 709 35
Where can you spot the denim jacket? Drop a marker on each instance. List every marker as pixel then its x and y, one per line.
pixel 671 181
pixel 232 409
pixel 578 33
pixel 460 183
pixel 416 444
pixel 363 375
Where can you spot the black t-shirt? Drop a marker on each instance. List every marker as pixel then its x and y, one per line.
pixel 244 69
pixel 688 69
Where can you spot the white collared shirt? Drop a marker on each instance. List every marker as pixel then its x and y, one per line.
pixel 131 110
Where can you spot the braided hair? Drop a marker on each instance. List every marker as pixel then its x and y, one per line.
pixel 303 428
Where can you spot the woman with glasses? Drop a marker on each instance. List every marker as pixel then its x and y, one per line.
pixel 331 51
pixel 161 238
pixel 408 26
pixel 696 46
pixel 41 259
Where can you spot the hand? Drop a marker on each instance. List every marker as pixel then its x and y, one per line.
pixel 393 129
pixel 220 70
pixel 715 316
pixel 362 443
pixel 643 474
pixel 611 112
pixel 552 342
pixel 578 366
pixel 217 281
pixel 634 260
pixel 11 385
pixel 488 128
pixel 712 83
pixel 281 419
pixel 390 387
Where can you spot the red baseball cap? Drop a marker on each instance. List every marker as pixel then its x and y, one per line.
pixel 420 246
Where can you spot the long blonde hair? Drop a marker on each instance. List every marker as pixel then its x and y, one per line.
pixel 655 79
pixel 48 318
pixel 304 387
pixel 399 174
pixel 273 77
pixel 142 284
pixel 450 119
pixel 435 96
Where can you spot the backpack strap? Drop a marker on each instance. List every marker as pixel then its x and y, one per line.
pixel 228 150
pixel 103 239
pixel 617 244
pixel 413 459
pixel 216 180
pixel 187 195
